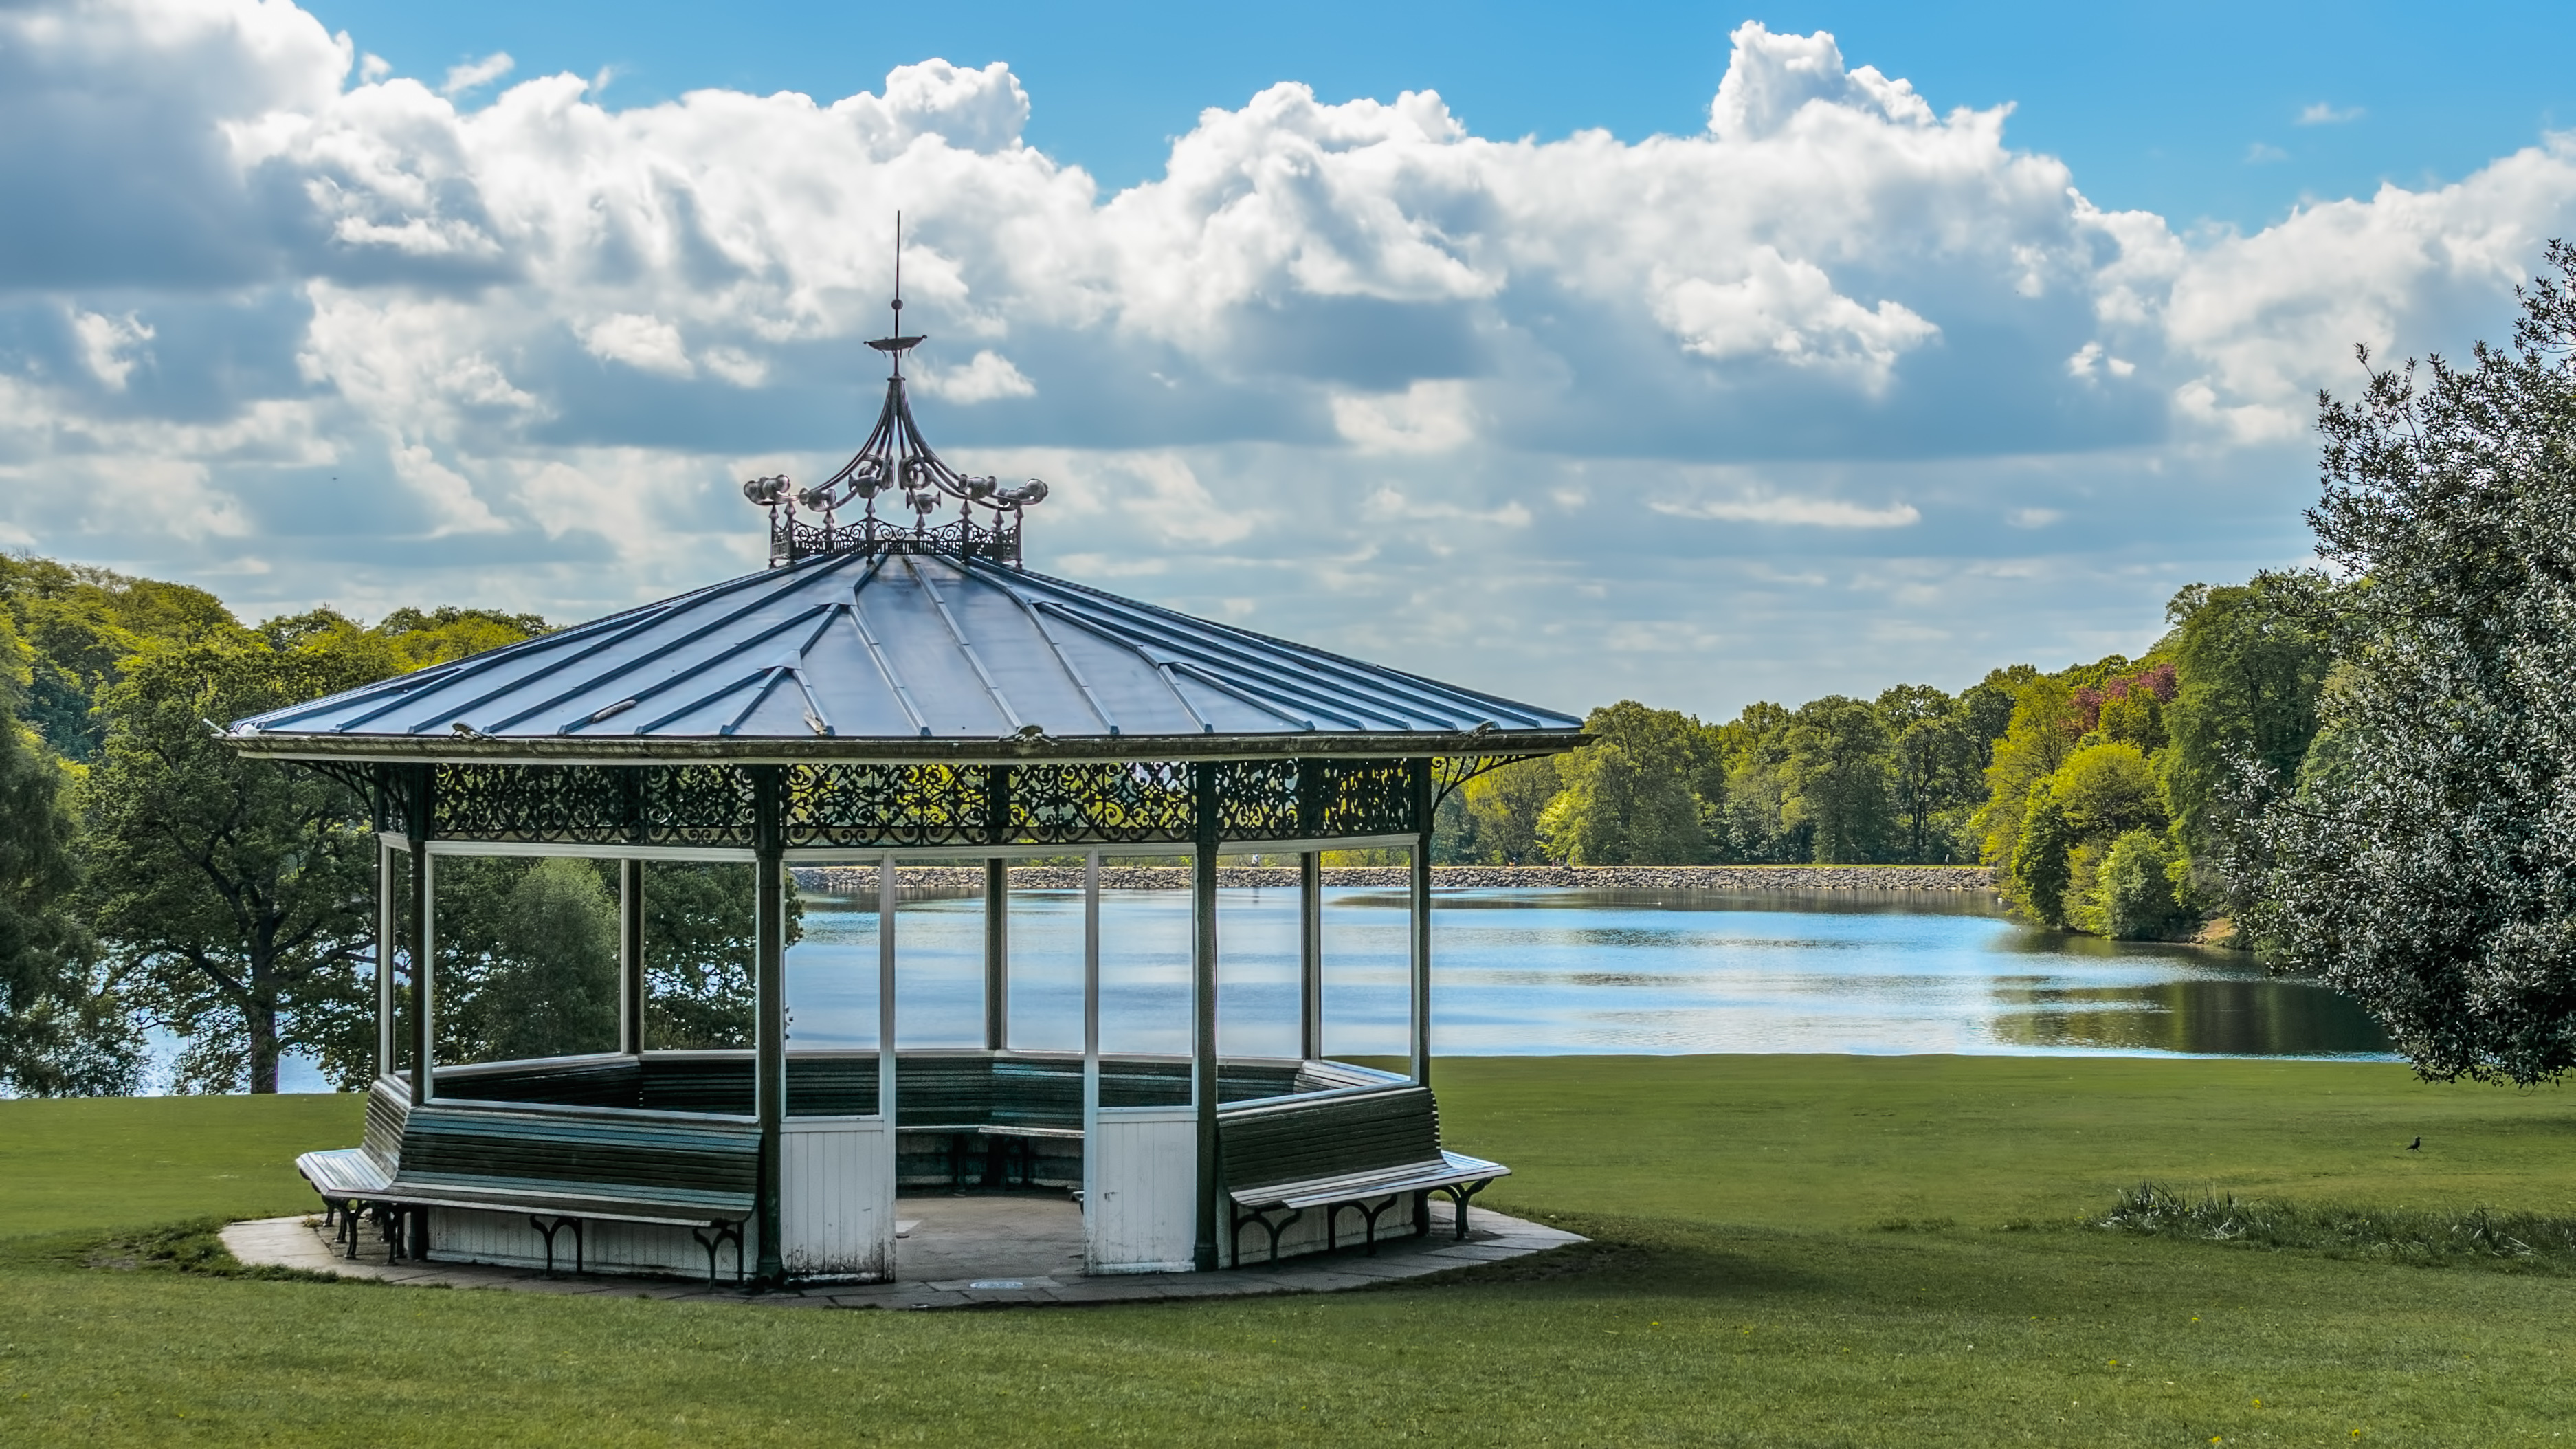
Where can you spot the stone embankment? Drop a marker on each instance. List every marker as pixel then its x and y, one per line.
pixel 969 879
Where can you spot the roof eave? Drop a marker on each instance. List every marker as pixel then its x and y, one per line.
pixel 505 750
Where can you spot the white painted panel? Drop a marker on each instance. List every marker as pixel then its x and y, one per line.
pixel 836 1198
pixel 471 1235
pixel 1139 1215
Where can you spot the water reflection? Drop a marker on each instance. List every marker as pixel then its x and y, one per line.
pixel 1547 972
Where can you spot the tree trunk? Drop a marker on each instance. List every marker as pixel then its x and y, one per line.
pixel 259 1016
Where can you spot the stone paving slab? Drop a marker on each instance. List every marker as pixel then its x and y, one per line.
pixel 302 1242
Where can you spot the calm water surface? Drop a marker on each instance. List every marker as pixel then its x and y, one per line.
pixel 1552 972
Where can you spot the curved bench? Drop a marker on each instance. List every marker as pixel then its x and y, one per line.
pixel 1365 1149
pixel 562 1166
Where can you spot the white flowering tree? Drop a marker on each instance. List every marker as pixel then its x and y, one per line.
pixel 2425 863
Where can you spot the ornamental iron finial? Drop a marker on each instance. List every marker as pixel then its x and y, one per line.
pixel 895 460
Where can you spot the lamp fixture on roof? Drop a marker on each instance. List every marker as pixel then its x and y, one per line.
pixel 896 461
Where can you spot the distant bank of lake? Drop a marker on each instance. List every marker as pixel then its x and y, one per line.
pixel 1555 971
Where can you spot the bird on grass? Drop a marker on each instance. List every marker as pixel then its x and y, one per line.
pixel 2415 1146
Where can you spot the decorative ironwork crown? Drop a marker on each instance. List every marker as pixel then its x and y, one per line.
pixel 895 460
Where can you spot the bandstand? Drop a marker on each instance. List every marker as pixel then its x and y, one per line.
pixel 895 683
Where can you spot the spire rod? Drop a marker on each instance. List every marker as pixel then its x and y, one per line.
pixel 897 465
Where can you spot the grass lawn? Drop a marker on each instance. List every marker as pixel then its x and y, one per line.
pixel 1812 1250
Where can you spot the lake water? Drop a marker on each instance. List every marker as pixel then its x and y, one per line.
pixel 1552 972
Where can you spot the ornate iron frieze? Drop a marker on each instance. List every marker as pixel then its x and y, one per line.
pixel 537 803
pixel 888 805
pixel 1257 799
pixel 1365 797
pixel 908 805
pixel 593 804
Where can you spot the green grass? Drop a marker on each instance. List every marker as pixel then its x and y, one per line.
pixel 1746 1288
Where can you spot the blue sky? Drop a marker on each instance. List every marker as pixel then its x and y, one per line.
pixel 2192 110
pixel 1690 354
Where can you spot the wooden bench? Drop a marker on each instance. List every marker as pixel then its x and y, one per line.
pixel 1365 1149
pixel 351 1180
pixel 563 1167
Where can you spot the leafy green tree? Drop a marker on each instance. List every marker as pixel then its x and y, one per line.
pixel 1504 807
pixel 2137 891
pixel 1933 768
pixel 1757 823
pixel 527 959
pixel 238 892
pixel 62 1031
pixel 1642 796
pixel 2039 875
pixel 698 943
pixel 2426 865
pixel 2042 733
pixel 2251 662
pixel 1838 774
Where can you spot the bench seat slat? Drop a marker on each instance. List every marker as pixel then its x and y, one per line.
pixel 342 1172
pixel 693 1211
pixel 1452 1169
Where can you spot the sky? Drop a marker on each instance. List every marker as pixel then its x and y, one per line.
pixel 1692 354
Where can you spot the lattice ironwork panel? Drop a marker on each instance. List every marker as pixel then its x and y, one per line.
pixel 697 805
pixel 561 804
pixel 1364 797
pixel 889 805
pixel 1257 799
pixel 1128 802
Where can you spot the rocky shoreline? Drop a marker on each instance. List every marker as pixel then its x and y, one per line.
pixel 969 879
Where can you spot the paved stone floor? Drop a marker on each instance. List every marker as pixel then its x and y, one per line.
pixel 952 1252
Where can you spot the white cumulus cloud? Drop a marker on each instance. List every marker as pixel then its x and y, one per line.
pixel 1412 387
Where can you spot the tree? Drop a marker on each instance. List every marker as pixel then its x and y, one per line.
pixel 1644 795
pixel 1839 779
pixel 2250 663
pixel 527 959
pixel 238 892
pixel 60 1032
pixel 1932 764
pixel 2426 862
pixel 1504 806
pixel 1755 746
pixel 2042 734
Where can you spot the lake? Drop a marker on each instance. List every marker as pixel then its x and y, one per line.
pixel 1553 972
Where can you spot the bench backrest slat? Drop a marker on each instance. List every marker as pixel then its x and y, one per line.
pixel 1303 1140
pixel 620 1151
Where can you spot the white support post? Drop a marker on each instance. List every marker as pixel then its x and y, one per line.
pixel 1090 1036
pixel 885 996
pixel 425 993
pixel 1421 922
pixel 388 927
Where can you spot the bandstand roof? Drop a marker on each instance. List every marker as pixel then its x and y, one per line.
pixel 894 652
pixel 886 638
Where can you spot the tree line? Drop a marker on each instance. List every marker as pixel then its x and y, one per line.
pixel 2103 795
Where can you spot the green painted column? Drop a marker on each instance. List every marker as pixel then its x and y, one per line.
pixel 769 990
pixel 997 954
pixel 630 957
pixel 1421 782
pixel 1203 1076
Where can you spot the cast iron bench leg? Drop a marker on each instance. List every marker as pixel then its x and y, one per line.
pixel 1458 1194
pixel 1261 1217
pixel 1371 1213
pixel 550 1229
pixel 714 1235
